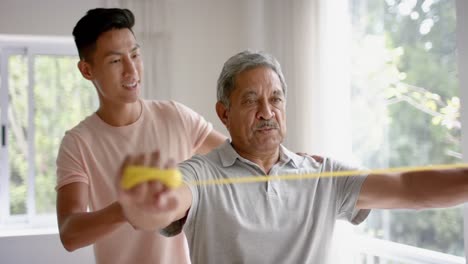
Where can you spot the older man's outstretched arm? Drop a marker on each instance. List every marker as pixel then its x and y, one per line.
pixel 415 190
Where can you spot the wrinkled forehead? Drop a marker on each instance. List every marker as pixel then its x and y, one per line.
pixel 260 79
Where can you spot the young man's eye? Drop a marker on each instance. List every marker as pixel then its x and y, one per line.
pixel 115 61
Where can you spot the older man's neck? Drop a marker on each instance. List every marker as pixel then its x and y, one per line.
pixel 265 159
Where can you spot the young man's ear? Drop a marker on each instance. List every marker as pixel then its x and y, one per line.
pixel 222 112
pixel 85 69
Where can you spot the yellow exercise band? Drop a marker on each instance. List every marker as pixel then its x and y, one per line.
pixel 172 178
pixel 134 175
pixel 323 174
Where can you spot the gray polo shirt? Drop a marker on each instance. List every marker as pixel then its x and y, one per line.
pixel 268 222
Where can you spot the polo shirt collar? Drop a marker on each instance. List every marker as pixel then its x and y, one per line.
pixel 228 155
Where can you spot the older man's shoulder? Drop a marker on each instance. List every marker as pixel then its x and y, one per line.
pixel 324 164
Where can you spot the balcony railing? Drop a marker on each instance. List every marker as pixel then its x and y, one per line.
pixel 387 250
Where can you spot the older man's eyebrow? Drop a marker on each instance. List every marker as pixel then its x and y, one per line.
pixel 278 93
pixel 249 94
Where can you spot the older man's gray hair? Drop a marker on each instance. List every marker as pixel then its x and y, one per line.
pixel 240 62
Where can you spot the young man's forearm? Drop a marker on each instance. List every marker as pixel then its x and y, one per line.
pixel 83 229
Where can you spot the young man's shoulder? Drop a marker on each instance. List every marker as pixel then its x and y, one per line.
pixel 213 159
pixel 158 104
pixel 166 106
pixel 85 126
pixel 181 118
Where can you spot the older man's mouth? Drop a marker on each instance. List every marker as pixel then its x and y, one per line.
pixel 266 129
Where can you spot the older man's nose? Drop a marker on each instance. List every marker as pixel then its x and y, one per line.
pixel 265 111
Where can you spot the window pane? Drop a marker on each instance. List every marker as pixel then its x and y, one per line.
pixel 18 132
pixel 62 98
pixel 406 107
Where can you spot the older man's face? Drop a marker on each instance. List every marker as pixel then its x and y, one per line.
pixel 256 117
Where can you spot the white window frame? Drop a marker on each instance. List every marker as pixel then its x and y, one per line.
pixel 29 46
pixel 462 46
pixel 394 251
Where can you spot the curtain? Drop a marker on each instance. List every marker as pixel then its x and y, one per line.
pixel 308 37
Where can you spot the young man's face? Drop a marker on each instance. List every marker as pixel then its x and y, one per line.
pixel 256 116
pixel 115 67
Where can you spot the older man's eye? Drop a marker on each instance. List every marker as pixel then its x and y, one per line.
pixel 249 101
pixel 277 100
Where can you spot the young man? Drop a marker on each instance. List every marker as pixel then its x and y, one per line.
pixel 90 153
pixel 275 221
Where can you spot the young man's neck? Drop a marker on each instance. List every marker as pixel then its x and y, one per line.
pixel 120 115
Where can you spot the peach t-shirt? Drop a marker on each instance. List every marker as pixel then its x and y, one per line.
pixel 92 153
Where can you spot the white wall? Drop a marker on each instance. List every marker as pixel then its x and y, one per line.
pixel 44 17
pixel 40 249
pixel 203 36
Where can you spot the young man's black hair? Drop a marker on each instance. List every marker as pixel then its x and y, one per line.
pixel 97 21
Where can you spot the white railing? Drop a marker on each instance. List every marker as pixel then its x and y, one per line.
pixel 388 250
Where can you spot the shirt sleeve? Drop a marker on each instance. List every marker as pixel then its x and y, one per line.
pixel 196 127
pixel 70 165
pixel 189 175
pixel 348 189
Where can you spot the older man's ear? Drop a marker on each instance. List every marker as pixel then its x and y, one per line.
pixel 222 112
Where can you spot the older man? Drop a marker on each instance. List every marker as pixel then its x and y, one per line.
pixel 275 221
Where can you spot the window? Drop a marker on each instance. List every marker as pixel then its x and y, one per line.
pixel 406 110
pixel 42 95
